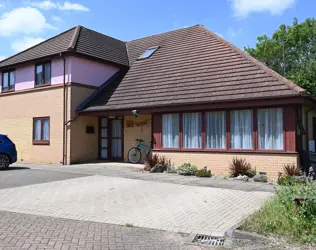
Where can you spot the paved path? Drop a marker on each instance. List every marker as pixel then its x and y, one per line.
pixel 22 231
pixel 133 171
pixel 156 205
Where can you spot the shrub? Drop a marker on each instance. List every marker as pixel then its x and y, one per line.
pixel 154 159
pixel 289 180
pixel 241 167
pixel 171 169
pixel 280 215
pixel 151 161
pixel 187 169
pixel 203 173
pixel 292 170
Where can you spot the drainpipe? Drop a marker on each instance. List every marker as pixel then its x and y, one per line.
pixel 64 109
pixel 307 130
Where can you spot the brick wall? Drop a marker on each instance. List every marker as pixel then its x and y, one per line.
pixel 136 128
pixel 16 120
pixel 272 164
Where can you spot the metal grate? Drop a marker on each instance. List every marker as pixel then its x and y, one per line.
pixel 208 240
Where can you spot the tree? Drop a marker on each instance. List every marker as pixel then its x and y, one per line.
pixel 291 51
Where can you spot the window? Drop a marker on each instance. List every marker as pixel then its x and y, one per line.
pixel 42 74
pixel 241 129
pixel 148 53
pixel 41 130
pixel 8 80
pixel 170 131
pixel 192 130
pixel 215 129
pixel 270 128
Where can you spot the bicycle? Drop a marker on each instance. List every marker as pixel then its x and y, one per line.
pixel 135 153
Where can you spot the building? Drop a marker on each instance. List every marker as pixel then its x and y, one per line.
pixel 199 98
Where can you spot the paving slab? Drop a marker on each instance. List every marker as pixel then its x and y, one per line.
pixel 156 205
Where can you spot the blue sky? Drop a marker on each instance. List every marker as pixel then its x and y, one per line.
pixel 24 23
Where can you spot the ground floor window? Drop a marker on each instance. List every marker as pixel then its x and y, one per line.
pixel 41 129
pixel 270 129
pixel 244 129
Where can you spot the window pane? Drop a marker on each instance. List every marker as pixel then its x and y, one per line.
pixel 170 131
pixel 116 147
pixel 5 84
pixel 241 124
pixel 104 132
pixel 39 74
pixel 37 130
pixel 215 129
pixel 104 122
pixel 46 130
pixel 12 79
pixel 270 128
pixel 192 130
pixel 47 73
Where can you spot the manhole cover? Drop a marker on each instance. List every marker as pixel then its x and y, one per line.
pixel 208 240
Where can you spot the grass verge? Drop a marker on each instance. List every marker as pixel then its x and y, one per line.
pixel 281 217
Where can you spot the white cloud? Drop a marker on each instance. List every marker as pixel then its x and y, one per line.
pixel 242 8
pixel 47 5
pixel 2 58
pixel 57 18
pixel 25 43
pixel 1 5
pixel 23 21
pixel 234 32
pixel 219 34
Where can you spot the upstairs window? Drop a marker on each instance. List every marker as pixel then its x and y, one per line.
pixel 148 53
pixel 42 74
pixel 8 80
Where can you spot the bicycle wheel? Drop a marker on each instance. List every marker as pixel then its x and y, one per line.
pixel 134 155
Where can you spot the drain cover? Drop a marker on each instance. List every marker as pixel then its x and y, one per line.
pixel 208 240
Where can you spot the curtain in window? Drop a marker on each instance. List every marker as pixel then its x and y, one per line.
pixel 37 130
pixel 270 128
pixel 5 83
pixel 12 79
pixel 170 131
pixel 46 130
pixel 192 130
pixel 47 73
pixel 215 129
pixel 241 124
pixel 39 74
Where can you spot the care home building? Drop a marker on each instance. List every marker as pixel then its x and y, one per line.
pixel 199 98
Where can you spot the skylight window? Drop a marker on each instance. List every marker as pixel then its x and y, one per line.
pixel 148 53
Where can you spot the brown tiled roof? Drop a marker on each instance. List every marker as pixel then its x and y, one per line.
pixel 76 40
pixel 191 66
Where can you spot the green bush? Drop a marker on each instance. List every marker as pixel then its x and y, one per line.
pixel 291 180
pixel 203 173
pixel 187 169
pixel 280 215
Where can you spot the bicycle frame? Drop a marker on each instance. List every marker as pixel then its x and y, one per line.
pixel 145 148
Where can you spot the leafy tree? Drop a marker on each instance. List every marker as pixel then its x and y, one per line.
pixel 291 49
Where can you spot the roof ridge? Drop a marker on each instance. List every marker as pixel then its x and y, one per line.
pixel 163 33
pixel 265 68
pixel 74 39
pixel 36 45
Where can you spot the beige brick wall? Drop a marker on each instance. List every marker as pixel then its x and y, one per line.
pixel 16 120
pixel 82 147
pixel 136 128
pixel 218 163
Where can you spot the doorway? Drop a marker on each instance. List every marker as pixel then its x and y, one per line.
pixel 111 138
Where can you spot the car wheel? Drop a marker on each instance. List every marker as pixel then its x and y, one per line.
pixel 4 161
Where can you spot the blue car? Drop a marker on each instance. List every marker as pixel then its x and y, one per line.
pixel 8 154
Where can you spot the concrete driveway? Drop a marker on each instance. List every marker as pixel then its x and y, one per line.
pixel 149 204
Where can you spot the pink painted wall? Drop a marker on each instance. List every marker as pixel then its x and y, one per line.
pixel 77 70
pixel 89 72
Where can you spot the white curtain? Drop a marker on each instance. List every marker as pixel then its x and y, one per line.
pixel 192 130
pixel 46 130
pixel 38 128
pixel 170 131
pixel 215 129
pixel 270 128
pixel 241 124
pixel 116 143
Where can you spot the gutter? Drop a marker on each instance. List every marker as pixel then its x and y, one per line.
pixel 64 109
